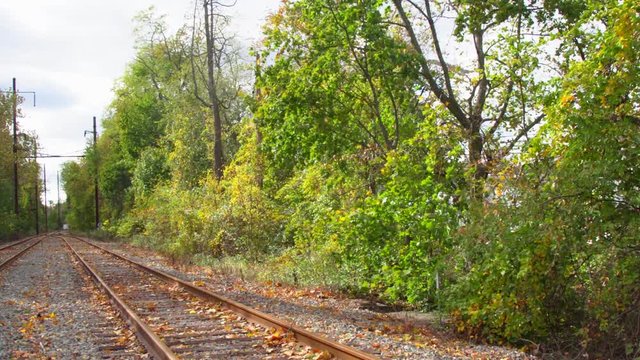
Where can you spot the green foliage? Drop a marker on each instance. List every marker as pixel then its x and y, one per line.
pixel 13 225
pixel 189 158
pixel 340 81
pixel 151 170
pixel 317 202
pixel 79 186
pixel 215 218
pixel 137 111
pixel 556 255
pixel 518 213
pixel 400 238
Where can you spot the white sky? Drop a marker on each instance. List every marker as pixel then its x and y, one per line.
pixel 71 52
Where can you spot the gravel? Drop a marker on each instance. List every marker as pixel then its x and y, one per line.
pixel 49 309
pixel 349 321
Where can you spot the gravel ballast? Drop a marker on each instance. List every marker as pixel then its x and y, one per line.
pixel 49 309
pixel 389 336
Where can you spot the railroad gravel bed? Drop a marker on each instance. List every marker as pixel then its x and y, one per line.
pixel 50 310
pixel 8 250
pixel 192 328
pixel 333 315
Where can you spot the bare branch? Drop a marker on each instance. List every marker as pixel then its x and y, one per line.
pixel 436 44
pixel 196 92
pixel 426 72
pixel 483 83
pixel 523 132
pixel 362 64
pixel 154 76
pixel 396 120
pixel 503 111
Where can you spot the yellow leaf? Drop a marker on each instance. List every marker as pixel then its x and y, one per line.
pixel 323 356
pixel 567 99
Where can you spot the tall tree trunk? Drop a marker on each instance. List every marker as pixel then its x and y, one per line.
pixel 258 96
pixel 476 149
pixel 218 162
pixel 212 91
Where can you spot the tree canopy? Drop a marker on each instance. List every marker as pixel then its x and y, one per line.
pixel 478 158
pixel 23 221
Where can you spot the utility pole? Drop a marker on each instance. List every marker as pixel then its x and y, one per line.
pixel 95 151
pixel 59 218
pixel 15 93
pixel 16 207
pixel 46 208
pixel 37 198
pixel 95 179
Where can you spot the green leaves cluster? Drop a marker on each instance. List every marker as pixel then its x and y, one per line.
pixel 556 256
pixel 13 225
pixel 503 190
pixel 339 81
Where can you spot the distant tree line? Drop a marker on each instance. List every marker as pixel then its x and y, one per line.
pixel 21 221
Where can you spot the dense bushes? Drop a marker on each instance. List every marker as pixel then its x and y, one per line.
pixel 225 218
pixel 345 171
pixel 555 256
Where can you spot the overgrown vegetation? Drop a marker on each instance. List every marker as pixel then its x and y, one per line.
pixel 23 221
pixel 501 186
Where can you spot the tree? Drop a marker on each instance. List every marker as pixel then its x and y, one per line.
pixel 78 185
pixel 496 102
pixel 218 55
pixel 340 83
pixel 554 257
pixel 28 170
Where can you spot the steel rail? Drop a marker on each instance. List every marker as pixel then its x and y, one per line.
pixel 20 253
pixel 154 345
pixel 316 341
pixel 17 242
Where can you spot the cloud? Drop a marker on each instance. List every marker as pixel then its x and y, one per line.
pixel 71 52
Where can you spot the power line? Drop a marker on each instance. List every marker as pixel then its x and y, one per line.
pixel 53 156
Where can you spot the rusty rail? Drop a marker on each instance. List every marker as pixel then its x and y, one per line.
pixel 17 242
pixel 20 253
pixel 306 337
pixel 154 345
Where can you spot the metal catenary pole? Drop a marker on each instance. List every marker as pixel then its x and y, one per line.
pixel 46 207
pixel 14 92
pixel 58 185
pixel 95 152
pixel 95 176
pixel 16 207
pixel 37 198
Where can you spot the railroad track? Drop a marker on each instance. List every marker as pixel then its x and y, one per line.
pixel 175 319
pixel 51 308
pixel 12 251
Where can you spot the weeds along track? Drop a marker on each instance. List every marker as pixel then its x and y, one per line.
pixel 175 319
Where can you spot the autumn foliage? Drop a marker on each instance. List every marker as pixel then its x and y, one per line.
pixel 501 187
